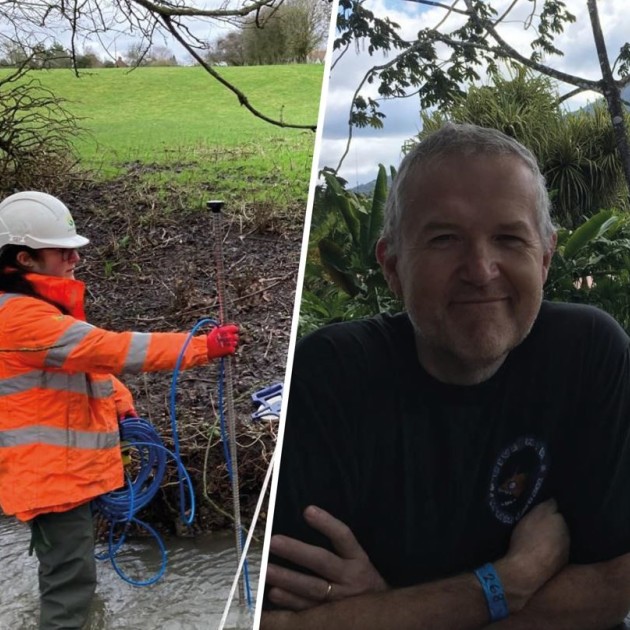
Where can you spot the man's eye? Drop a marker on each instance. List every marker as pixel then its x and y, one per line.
pixel 509 238
pixel 441 239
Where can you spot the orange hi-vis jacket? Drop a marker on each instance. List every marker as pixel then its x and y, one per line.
pixel 59 403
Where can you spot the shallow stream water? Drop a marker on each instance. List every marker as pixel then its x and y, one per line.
pixel 190 596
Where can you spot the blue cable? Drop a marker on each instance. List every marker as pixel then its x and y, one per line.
pixel 224 434
pixel 120 506
pixel 173 414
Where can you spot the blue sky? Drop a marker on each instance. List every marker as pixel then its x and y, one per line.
pixel 370 147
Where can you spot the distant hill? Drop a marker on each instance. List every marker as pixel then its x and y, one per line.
pixel 367 188
pixel 625 95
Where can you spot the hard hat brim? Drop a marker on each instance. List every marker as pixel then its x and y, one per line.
pixel 71 242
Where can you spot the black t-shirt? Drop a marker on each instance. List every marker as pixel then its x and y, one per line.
pixel 431 477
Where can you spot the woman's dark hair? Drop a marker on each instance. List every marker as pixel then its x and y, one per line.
pixel 12 274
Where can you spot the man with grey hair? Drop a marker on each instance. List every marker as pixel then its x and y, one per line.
pixel 466 462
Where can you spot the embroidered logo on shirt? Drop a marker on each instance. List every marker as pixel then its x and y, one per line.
pixel 517 477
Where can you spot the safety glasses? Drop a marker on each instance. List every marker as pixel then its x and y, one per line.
pixel 65 252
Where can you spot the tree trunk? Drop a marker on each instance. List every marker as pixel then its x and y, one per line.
pixel 611 92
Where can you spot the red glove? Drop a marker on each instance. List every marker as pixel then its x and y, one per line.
pixel 222 341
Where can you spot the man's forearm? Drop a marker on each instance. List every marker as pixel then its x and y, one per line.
pixel 538 550
pixel 580 597
pixel 456 603
pixel 453 604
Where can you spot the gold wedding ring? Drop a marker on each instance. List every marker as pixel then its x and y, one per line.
pixel 328 594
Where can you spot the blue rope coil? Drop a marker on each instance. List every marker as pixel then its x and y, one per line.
pixel 119 508
pixel 140 440
pixel 140 436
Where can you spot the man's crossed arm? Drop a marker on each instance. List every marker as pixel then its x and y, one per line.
pixel 542 591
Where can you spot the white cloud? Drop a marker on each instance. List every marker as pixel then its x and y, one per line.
pixel 356 169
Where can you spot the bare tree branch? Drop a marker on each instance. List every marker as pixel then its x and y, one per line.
pixel 242 98
pixel 450 8
pixel 505 50
pixel 167 9
pixel 147 19
pixel 509 10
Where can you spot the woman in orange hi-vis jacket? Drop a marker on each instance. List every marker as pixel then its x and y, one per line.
pixel 59 401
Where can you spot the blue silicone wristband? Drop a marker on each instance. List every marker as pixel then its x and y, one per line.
pixel 493 591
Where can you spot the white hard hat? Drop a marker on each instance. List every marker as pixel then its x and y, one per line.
pixel 37 220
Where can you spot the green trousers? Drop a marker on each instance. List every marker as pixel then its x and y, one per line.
pixel 64 545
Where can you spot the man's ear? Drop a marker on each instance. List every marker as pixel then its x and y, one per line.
pixel 388 263
pixel 548 255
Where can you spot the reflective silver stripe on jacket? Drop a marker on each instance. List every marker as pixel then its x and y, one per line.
pixel 76 383
pixel 70 339
pixel 5 297
pixel 39 434
pixel 137 354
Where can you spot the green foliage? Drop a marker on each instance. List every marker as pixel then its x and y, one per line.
pixel 287 33
pixel 54 56
pixel 355 22
pixel 553 17
pixel 523 106
pixel 624 61
pixel 228 50
pixel 443 61
pixel 39 56
pixel 343 279
pixel 89 59
pixel 577 152
pixel 592 265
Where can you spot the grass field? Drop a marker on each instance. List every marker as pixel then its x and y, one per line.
pixel 180 127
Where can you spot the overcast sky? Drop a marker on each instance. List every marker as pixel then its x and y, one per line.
pixel 370 147
pixel 118 39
